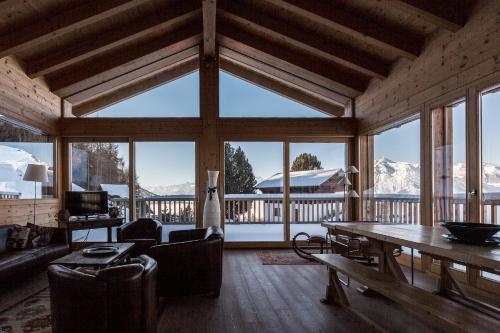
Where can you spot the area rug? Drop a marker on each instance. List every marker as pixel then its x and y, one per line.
pixel 30 315
pixel 282 258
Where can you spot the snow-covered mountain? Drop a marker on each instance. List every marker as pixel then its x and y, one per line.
pixel 404 177
pixel 177 189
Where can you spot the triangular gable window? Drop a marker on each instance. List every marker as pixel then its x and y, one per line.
pixel 240 98
pixel 178 98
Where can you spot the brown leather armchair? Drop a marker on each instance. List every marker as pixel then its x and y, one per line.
pixel 117 299
pixel 191 263
pixel 144 233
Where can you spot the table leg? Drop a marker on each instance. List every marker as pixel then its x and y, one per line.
pixel 334 292
pixel 391 266
pixel 110 234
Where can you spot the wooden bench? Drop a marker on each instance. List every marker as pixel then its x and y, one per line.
pixel 445 312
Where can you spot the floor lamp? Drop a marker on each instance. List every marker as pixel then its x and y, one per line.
pixel 348 194
pixel 36 173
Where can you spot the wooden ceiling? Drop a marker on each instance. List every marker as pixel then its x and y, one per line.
pixel 322 53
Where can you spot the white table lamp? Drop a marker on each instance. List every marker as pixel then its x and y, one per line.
pixel 36 173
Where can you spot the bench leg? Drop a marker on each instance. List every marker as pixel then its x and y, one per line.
pixel 334 292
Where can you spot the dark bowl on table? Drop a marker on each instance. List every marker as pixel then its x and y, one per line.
pixel 475 233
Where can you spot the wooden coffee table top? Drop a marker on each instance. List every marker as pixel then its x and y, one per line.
pixel 77 258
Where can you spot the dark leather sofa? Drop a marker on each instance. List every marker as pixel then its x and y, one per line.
pixel 121 298
pixel 191 263
pixel 22 263
pixel 144 233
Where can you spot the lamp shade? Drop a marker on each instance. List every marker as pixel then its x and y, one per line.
pixel 345 180
pixel 36 173
pixel 352 169
pixel 353 194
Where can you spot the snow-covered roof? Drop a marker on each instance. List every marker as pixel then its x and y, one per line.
pixel 116 190
pixel 300 178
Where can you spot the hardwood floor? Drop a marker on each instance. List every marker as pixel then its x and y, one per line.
pixel 279 298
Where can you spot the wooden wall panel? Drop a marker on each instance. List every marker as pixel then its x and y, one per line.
pixel 32 103
pixel 449 61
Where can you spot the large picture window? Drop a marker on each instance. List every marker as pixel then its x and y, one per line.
pixel 21 145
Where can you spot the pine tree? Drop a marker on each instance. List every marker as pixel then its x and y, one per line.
pixel 306 161
pixel 238 172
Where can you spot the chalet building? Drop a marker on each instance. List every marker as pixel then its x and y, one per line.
pixel 186 98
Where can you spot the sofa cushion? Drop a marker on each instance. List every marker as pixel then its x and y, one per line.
pixel 18 238
pixel 4 235
pixel 39 236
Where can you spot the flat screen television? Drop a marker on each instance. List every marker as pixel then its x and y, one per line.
pixel 86 203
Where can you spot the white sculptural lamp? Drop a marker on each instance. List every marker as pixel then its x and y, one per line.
pixel 36 173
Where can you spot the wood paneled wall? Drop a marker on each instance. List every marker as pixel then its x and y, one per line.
pixel 449 61
pixel 32 103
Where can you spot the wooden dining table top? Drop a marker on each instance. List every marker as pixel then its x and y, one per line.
pixel 426 239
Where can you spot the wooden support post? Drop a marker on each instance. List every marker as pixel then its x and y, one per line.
pixel 208 145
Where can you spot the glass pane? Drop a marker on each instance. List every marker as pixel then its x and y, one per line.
pixel 178 98
pixel 490 113
pixel 316 186
pixel 397 174
pixel 253 200
pixel 449 167
pixel 239 98
pixel 165 183
pixel 21 145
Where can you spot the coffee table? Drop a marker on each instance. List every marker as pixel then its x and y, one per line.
pixel 78 259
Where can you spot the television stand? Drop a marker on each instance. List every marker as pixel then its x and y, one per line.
pixel 91 223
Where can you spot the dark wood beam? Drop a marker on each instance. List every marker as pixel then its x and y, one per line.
pixel 166 19
pixel 284 77
pixel 325 12
pixel 134 75
pixel 447 14
pixel 340 79
pixel 284 89
pixel 263 24
pixel 84 75
pixel 61 23
pixel 174 72
pixel 209 17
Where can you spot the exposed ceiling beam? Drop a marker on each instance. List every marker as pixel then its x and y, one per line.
pixel 327 14
pixel 447 14
pixel 283 76
pixel 134 75
pixel 339 78
pixel 61 23
pixel 209 8
pixel 301 38
pixel 84 75
pixel 286 90
pixel 115 96
pixel 165 19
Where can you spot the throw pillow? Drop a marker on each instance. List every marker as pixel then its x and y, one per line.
pixel 18 238
pixel 39 236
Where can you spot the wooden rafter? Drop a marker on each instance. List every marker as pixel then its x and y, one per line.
pixel 277 74
pixel 301 38
pixel 285 89
pixel 341 79
pixel 61 23
pixel 168 74
pixel 67 55
pixel 447 14
pixel 84 75
pixel 331 16
pixel 209 8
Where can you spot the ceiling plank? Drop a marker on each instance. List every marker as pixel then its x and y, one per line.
pixel 340 79
pixel 329 15
pixel 168 18
pixel 134 75
pixel 61 23
pixel 84 75
pixel 286 90
pixel 301 38
pixel 209 8
pixel 283 76
pixel 118 95
pixel 447 14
